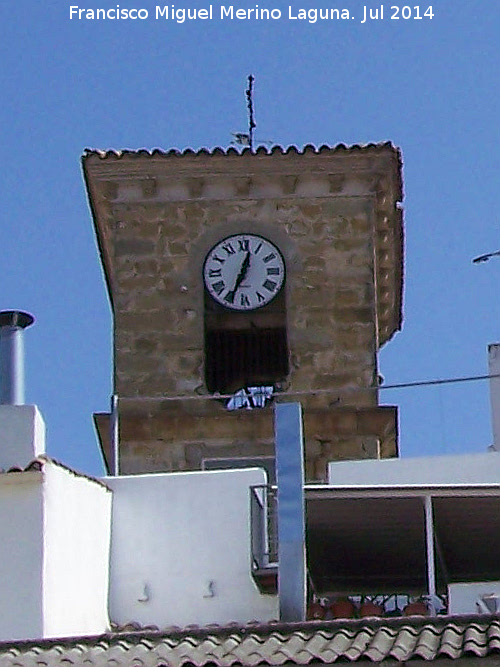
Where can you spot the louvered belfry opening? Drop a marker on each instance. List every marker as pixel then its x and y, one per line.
pixel 236 359
pixel 245 349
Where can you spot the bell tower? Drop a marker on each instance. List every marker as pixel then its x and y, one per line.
pixel 279 269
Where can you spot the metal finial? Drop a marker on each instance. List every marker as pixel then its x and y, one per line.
pixel 251 122
pixel 246 138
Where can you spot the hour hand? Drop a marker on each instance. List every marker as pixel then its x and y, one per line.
pixel 241 276
pixel 243 271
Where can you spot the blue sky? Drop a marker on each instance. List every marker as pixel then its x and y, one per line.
pixel 430 86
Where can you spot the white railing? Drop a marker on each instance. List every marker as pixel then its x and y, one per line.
pixel 264 535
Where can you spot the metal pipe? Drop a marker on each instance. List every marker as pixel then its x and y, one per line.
pixel 12 325
pixel 429 539
pixel 291 520
pixel 115 435
pixel 494 371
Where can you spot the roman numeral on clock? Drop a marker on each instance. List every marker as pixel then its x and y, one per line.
pixel 228 248
pixel 218 287
pixel 269 285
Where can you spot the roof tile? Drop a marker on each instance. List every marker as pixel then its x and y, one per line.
pixel 299 644
pixel 231 150
pixel 37 465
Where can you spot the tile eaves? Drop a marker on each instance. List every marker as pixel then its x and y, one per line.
pixel 261 150
pixel 38 463
pixel 34 465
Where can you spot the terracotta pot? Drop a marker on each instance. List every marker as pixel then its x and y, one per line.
pixel 416 609
pixel 370 609
pixel 315 612
pixel 343 609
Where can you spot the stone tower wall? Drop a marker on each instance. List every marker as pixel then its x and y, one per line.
pixel 335 219
pixel 158 300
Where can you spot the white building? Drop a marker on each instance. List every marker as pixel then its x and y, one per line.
pixel 175 549
pixel 217 567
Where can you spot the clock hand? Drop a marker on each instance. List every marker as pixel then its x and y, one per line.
pixel 240 277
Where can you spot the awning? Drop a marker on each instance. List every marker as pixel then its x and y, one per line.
pixel 373 540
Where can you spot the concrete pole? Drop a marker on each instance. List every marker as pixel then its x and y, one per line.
pixel 12 325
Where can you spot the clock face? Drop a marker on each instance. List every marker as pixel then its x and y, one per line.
pixel 244 272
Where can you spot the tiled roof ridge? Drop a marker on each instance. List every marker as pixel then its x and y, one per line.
pixel 35 464
pixel 291 644
pixel 136 633
pixel 218 150
pixel 312 626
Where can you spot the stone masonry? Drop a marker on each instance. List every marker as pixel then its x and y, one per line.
pixel 335 215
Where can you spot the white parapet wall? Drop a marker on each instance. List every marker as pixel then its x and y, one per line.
pixel 77 512
pixel 22 435
pixel 54 553
pixel 460 469
pixel 180 549
pixel 21 555
pixel 480 597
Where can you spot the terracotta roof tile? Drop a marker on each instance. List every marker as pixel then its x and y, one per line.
pixel 272 644
pixel 37 465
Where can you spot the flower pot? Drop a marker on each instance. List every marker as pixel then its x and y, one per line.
pixel 315 611
pixel 343 609
pixel 416 609
pixel 370 609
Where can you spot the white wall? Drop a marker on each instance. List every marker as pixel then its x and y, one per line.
pixel 76 559
pixel 54 554
pixel 180 549
pixel 22 435
pixel 21 556
pixel 462 469
pixel 464 598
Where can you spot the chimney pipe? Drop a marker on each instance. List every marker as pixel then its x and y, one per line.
pixel 12 325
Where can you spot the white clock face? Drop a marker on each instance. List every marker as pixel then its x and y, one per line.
pixel 244 272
